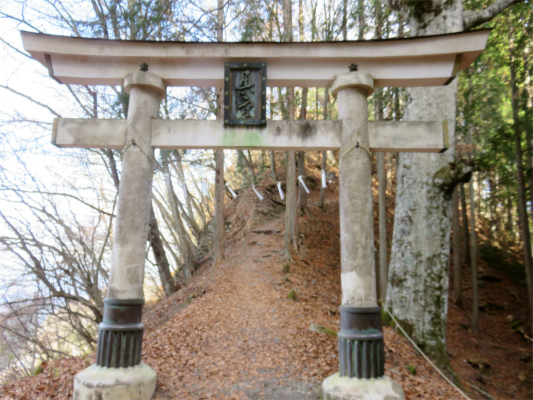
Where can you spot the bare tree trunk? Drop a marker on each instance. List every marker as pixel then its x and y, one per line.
pixel 178 166
pixel 218 242
pixel 344 20
pixel 383 261
pixel 522 207
pixel 465 253
pixel 474 325
pixel 302 194
pixel 322 189
pixel 163 266
pixel 291 216
pixel 382 271
pixel 360 19
pixel 530 146
pixel 185 244
pixel 218 248
pixel 273 165
pixel 457 293
pixel 250 164
pixel 324 153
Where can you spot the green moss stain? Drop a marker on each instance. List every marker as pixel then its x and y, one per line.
pixel 246 137
pixel 323 329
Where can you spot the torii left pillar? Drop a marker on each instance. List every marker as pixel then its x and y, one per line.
pixel 118 373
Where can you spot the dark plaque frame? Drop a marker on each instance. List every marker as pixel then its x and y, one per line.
pixel 245 94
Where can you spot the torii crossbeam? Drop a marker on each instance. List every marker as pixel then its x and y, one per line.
pixel 425 61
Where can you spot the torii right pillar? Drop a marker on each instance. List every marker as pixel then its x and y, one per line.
pixel 361 373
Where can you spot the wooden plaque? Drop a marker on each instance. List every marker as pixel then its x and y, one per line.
pixel 245 94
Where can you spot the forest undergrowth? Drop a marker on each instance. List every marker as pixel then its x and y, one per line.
pixel 242 330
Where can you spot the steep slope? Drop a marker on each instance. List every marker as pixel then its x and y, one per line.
pixel 233 333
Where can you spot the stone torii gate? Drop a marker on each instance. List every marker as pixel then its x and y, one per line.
pixel 118 373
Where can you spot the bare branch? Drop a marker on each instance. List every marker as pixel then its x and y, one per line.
pixel 30 99
pixel 471 19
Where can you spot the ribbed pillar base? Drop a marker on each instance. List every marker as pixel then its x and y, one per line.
pixel 361 348
pixel 120 334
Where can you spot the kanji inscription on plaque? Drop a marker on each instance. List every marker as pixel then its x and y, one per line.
pixel 245 94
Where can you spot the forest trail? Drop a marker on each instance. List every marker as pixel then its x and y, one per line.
pixel 232 333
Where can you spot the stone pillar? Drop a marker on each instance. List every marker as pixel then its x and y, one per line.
pixel 361 353
pixel 118 373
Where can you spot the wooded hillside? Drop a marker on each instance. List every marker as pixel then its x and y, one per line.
pixel 58 206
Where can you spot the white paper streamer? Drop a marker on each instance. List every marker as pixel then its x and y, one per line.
pixel 324 184
pixel 231 191
pixel 257 193
pixel 301 179
pixel 280 190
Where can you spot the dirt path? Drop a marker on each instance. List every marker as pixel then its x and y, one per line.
pixel 236 334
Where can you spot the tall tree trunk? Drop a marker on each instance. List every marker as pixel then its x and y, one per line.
pixel 457 293
pixel 322 188
pixel 529 131
pixel 291 216
pixel 383 272
pixel 274 173
pixel 360 19
pixel 218 245
pixel 178 166
pixel 185 244
pixel 163 266
pixel 324 153
pixel 344 26
pixel 522 207
pixel 418 274
pixel 302 194
pixel 465 253
pixel 474 324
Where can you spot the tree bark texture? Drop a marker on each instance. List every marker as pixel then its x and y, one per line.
pixel 163 266
pixel 218 245
pixel 523 219
pixel 457 294
pixel 465 251
pixel 474 323
pixel 418 276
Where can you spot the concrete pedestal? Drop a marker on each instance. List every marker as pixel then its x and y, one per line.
pixel 339 388
pixel 101 383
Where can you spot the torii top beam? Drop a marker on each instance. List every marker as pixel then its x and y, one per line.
pixel 420 61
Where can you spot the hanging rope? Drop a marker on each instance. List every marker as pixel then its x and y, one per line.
pixel 426 357
pixel 356 146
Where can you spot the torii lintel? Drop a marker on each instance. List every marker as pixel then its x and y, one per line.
pixel 418 61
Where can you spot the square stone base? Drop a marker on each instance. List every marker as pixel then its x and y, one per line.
pixel 337 388
pixel 101 383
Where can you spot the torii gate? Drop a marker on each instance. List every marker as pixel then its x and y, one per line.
pixel 426 61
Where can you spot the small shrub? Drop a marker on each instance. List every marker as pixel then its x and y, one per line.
pixel 411 369
pixel 285 268
pixel 292 295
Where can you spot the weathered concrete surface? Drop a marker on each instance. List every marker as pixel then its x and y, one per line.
pixel 355 192
pixel 130 239
pixel 337 388
pixel 135 192
pixel 391 136
pixel 133 383
pixel 393 63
